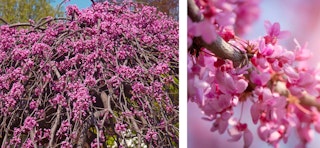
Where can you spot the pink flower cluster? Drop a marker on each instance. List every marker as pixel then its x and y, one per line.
pixel 273 82
pixel 151 135
pixel 222 15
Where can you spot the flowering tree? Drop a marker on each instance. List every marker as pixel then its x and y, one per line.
pixel 225 71
pixel 103 76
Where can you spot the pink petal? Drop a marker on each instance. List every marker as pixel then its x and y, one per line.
pixel 248 138
pixel 223 126
pixel 192 27
pixel 275 29
pixel 267 26
pixel 241 85
pixel 259 79
pixel 274 136
pixel 225 81
pixel 255 113
pixel 301 53
pixel 284 34
pixel 224 101
pixel 207 31
pixel 189 42
pixel 234 133
pixel 226 18
pixel 317 126
pixel 289 71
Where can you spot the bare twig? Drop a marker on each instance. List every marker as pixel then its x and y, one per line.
pixel 98 136
pixel 106 101
pixel 32 134
pixel 59 6
pixel 2 20
pixel 20 25
pixel 93 3
pixel 54 127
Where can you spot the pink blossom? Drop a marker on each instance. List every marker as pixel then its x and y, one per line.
pixel 66 144
pixel 151 135
pixel 305 133
pixel 301 53
pixel 17 90
pixel 305 82
pixel 271 132
pixel 221 123
pixel 28 144
pixel 205 29
pixel 260 79
pixel 238 130
pixel 274 33
pixel 33 104
pixel 197 89
pixel 247 12
pixel 29 123
pixel 119 127
pixel 230 84
pixel 226 18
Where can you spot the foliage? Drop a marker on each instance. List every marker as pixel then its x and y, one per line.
pixel 91 76
pixel 283 94
pixel 13 11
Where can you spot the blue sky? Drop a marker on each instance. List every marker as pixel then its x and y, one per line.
pixel 80 3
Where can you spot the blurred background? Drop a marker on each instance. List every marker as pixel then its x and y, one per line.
pixel 302 19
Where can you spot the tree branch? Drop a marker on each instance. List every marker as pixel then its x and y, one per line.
pixel 2 20
pixel 309 100
pixel 54 127
pixel 193 11
pixel 306 99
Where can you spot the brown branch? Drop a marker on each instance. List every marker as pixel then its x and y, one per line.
pixel 309 100
pixel 106 101
pixel 93 3
pixel 54 127
pixel 219 47
pixel 2 20
pixel 306 99
pixel 193 11
pixel 20 25
pixel 32 134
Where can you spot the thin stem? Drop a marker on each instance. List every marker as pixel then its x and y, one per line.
pixel 242 104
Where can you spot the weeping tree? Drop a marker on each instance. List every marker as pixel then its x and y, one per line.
pixel 103 76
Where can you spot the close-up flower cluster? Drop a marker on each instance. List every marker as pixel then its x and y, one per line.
pixel 103 76
pixel 226 71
